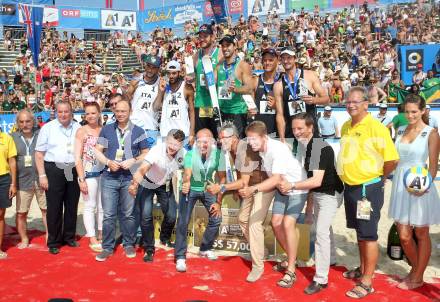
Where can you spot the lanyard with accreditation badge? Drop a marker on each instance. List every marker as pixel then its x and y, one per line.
pixel 27 157
pixel 121 140
pixel 69 145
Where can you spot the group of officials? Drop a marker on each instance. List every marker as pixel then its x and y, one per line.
pixel 163 124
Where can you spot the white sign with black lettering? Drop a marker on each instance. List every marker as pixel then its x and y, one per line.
pixel 118 20
pixel 263 7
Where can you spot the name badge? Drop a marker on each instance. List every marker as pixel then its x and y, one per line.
pixel 167 186
pixel 363 210
pixel 206 112
pixel 119 155
pixel 296 107
pixel 27 161
pixel 265 109
pixel 69 148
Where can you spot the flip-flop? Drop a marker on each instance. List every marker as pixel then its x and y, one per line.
pixel 356 293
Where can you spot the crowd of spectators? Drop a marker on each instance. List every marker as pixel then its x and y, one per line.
pixel 351 47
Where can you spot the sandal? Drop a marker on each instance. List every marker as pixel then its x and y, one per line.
pixel 280 266
pixel 288 280
pixel 353 273
pixel 357 293
pixel 3 255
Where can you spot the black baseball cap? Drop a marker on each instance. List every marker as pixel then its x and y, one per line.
pixel 206 28
pixel 228 39
pixel 270 51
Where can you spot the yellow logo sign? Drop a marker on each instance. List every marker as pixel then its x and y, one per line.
pixel 154 17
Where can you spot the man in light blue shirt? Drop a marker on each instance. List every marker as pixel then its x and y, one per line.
pixel 328 125
pixel 55 163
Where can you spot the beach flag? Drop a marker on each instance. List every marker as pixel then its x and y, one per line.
pixel 431 94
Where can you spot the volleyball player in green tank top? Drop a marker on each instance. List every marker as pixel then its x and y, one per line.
pixel 202 101
pixel 234 79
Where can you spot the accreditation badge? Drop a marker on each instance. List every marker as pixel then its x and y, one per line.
pixel 69 148
pixel 167 186
pixel 363 210
pixel 119 155
pixel 27 161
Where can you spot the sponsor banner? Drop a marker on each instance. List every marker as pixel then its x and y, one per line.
pixel 188 12
pixel 263 7
pixel 411 55
pixel 308 5
pixel 118 20
pixel 50 16
pixel 236 7
pixel 170 16
pixel 79 18
pixel 8 14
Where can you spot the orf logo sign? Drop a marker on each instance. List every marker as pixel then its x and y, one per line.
pixel 413 58
pixel 208 9
pixel 235 6
pixel 70 13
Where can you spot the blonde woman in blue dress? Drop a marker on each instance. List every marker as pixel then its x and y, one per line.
pixel 417 144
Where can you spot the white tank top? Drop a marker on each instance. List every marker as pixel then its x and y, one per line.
pixel 142 105
pixel 174 112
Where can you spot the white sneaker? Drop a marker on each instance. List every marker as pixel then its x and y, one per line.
pixel 181 265
pixel 208 254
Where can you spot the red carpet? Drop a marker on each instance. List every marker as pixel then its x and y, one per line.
pixel 35 275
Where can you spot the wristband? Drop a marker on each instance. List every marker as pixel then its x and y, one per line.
pixel 222 189
pixel 42 175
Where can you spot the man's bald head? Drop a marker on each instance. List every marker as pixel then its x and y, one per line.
pixel 204 133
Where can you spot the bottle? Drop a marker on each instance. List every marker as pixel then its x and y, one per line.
pixel 394 249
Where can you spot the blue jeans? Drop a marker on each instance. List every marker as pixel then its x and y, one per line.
pixel 144 202
pixel 117 203
pixel 186 206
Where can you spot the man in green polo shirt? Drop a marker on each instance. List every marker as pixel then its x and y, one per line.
pixel 200 164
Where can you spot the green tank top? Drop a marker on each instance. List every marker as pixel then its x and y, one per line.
pixel 231 103
pixel 202 97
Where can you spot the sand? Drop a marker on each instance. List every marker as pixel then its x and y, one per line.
pixel 347 250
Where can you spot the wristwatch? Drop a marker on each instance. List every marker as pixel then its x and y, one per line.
pixel 81 179
pixel 255 191
pixel 222 189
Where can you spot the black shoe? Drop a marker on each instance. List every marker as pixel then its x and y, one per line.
pixel 54 250
pixel 148 256
pixel 168 243
pixel 72 243
pixel 314 288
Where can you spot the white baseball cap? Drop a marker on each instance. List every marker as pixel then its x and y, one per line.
pixel 173 66
pixel 428 107
pixel 327 108
pixel 383 106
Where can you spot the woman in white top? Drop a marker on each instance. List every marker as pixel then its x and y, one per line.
pixel 89 172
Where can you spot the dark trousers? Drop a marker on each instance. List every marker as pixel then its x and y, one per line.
pixel 205 122
pixel 168 205
pixel 240 121
pixel 61 195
